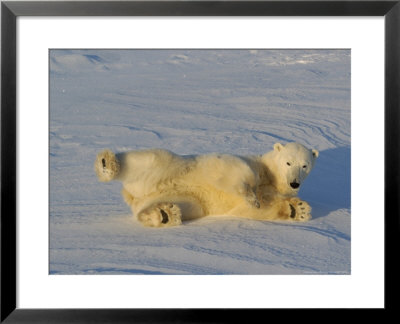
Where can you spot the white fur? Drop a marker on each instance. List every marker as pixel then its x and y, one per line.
pixel 163 188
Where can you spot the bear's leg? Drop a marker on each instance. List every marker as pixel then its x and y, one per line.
pixel 107 166
pixel 276 208
pixel 163 214
pixel 296 210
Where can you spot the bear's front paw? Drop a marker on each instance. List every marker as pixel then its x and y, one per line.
pixel 249 196
pixel 106 166
pixel 252 200
pixel 161 215
pixel 299 210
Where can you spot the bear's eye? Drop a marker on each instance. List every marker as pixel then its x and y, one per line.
pixel 304 166
pixel 288 163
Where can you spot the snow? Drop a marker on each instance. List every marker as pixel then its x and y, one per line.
pixel 194 102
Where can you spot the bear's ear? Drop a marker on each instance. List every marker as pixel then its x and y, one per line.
pixel 278 147
pixel 315 153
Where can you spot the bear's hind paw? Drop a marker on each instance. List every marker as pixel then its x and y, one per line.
pixel 161 215
pixel 106 166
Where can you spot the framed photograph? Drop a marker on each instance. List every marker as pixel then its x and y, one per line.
pixel 213 88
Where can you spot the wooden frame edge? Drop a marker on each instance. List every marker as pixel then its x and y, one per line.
pixel 10 12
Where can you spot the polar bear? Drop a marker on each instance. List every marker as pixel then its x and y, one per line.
pixel 163 189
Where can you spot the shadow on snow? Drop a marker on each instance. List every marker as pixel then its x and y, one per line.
pixel 328 188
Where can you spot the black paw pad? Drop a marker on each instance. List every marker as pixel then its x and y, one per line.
pixel 164 217
pixel 293 211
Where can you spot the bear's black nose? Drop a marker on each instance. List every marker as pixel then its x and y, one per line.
pixel 294 185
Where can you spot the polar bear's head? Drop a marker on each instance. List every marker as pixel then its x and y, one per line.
pixel 293 162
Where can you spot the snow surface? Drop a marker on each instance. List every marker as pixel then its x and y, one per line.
pixel 194 102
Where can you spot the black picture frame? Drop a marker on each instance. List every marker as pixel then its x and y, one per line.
pixel 11 10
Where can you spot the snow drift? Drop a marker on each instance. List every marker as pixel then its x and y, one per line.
pixel 196 102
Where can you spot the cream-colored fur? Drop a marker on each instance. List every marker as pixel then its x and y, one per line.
pixel 164 189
